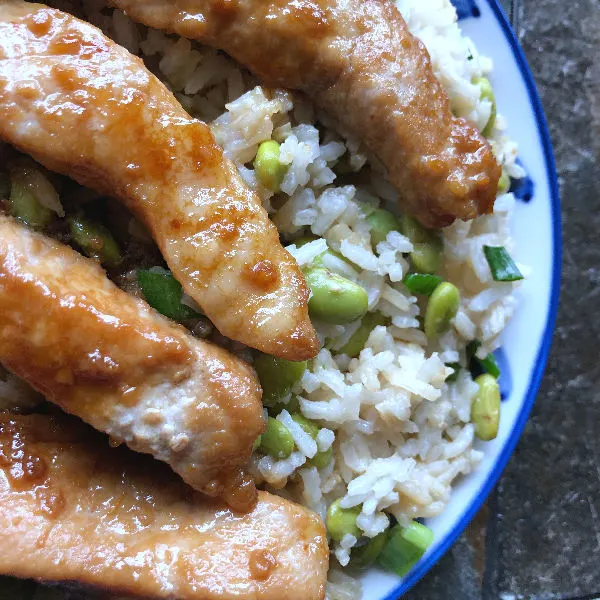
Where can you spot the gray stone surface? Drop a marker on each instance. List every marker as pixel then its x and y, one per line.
pixel 539 536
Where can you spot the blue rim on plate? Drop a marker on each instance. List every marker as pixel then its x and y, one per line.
pixel 544 349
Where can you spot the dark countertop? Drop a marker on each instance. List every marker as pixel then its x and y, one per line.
pixel 538 538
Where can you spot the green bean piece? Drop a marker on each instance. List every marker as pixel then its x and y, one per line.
pixel 4 186
pixel 276 441
pixel 485 410
pixel 269 171
pixel 23 204
pixel 382 222
pixel 322 458
pixel 341 521
pixel 95 240
pixel 503 183
pixel 277 376
pixel 364 556
pixel 487 93
pixel 163 293
pixel 359 338
pixel 335 299
pixel 441 309
pixel 405 547
pixel 426 258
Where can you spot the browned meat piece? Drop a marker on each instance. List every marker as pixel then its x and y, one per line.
pixel 358 61
pixel 73 510
pixel 113 361
pixel 83 106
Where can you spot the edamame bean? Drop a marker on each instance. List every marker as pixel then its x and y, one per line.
pixel 359 338
pixel 414 231
pixel 341 521
pixel 23 203
pixel 426 258
pixel 329 254
pixel 364 556
pixel 269 171
pixel 292 406
pixel 335 299
pixel 487 93
pixel 322 458
pixel 277 376
pixel 441 309
pixel 95 240
pixel 382 222
pixel 427 254
pixel 485 410
pixel 308 426
pixel 503 183
pixel 276 441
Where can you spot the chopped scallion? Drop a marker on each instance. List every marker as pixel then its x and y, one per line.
pixel 404 548
pixel 454 376
pixel 502 266
pixel 489 365
pixel 163 293
pixel 478 365
pixel 422 283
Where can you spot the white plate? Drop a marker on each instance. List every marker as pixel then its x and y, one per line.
pixel 526 341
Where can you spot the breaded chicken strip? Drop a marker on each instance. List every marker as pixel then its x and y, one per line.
pixel 73 510
pixel 359 62
pixel 85 107
pixel 110 359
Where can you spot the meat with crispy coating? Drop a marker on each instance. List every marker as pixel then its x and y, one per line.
pixel 359 62
pixel 72 510
pixel 110 359
pixel 83 106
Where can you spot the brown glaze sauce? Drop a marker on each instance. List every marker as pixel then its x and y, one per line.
pixel 27 471
pixel 262 274
pixel 261 564
pixel 24 469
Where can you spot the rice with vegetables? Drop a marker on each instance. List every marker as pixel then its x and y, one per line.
pixel 372 432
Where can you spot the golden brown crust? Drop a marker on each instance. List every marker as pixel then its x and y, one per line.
pixel 95 113
pixel 360 63
pixel 108 358
pixel 73 510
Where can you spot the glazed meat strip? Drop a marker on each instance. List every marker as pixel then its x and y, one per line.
pixel 74 510
pixel 359 62
pixel 110 359
pixel 83 106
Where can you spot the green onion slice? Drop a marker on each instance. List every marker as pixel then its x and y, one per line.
pixel 422 283
pixel 404 548
pixel 454 376
pixel 502 266
pixel 163 293
pixel 489 365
